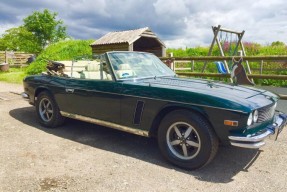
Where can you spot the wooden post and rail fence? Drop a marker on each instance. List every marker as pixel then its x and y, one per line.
pixel 260 59
pixel 14 59
pixel 171 62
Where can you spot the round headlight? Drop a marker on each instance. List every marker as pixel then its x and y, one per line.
pixel 250 118
pixel 255 116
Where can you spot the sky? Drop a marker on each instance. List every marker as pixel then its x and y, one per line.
pixel 178 23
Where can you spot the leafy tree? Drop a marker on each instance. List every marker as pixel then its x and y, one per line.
pixel 19 39
pixel 45 27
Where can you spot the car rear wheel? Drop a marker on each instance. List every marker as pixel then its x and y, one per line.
pixel 48 111
pixel 187 140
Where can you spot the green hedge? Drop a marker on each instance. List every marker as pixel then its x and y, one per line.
pixel 252 49
pixel 64 50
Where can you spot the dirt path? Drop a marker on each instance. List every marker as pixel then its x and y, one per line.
pixel 10 87
pixel 84 157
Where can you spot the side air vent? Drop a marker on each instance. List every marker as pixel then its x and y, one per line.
pixel 138 112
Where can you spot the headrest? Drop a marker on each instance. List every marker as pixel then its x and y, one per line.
pixel 124 67
pixel 93 66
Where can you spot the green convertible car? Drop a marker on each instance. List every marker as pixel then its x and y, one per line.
pixel 137 93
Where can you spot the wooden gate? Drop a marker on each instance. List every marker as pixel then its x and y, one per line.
pixel 15 59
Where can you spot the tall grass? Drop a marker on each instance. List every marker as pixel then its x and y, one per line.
pixel 252 49
pixel 14 75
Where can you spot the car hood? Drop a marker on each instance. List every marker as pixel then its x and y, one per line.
pixel 206 87
pixel 207 93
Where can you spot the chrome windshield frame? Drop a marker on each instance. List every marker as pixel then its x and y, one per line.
pixel 133 78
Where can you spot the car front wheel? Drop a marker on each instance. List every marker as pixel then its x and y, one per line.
pixel 187 140
pixel 48 111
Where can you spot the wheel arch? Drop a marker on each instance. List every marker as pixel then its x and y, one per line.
pixel 56 119
pixel 170 108
pixel 41 89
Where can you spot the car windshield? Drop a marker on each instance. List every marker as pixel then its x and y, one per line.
pixel 128 65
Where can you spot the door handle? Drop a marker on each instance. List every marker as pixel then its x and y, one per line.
pixel 70 90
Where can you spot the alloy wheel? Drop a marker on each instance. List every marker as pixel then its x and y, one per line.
pixel 46 109
pixel 183 140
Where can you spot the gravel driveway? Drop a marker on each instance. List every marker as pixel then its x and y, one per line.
pixel 84 157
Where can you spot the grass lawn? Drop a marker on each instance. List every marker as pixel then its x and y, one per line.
pixel 14 75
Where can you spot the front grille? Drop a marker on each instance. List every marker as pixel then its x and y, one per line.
pixel 266 113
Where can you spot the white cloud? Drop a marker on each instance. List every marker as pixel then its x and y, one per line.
pixel 171 8
pixel 179 23
pixel 263 21
pixel 4 27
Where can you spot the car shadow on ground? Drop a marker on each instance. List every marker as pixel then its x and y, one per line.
pixel 228 162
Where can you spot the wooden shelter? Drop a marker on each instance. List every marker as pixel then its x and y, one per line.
pixel 142 39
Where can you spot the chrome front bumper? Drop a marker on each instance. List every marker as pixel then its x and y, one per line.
pixel 257 140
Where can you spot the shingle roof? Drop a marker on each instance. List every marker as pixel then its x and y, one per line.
pixel 129 36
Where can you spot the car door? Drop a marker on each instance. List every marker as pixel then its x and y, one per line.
pixel 57 85
pixel 94 97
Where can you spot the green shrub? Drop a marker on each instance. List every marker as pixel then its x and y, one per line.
pixel 251 48
pixel 64 50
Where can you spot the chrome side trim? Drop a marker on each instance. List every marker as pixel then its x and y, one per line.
pixel 107 124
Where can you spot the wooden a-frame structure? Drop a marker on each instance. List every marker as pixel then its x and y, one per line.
pixel 216 31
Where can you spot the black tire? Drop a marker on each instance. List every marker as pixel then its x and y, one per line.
pixel 47 110
pixel 187 140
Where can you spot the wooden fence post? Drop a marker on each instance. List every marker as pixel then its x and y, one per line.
pixel 261 67
pixel 172 64
pixel 192 65
pixel 6 57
